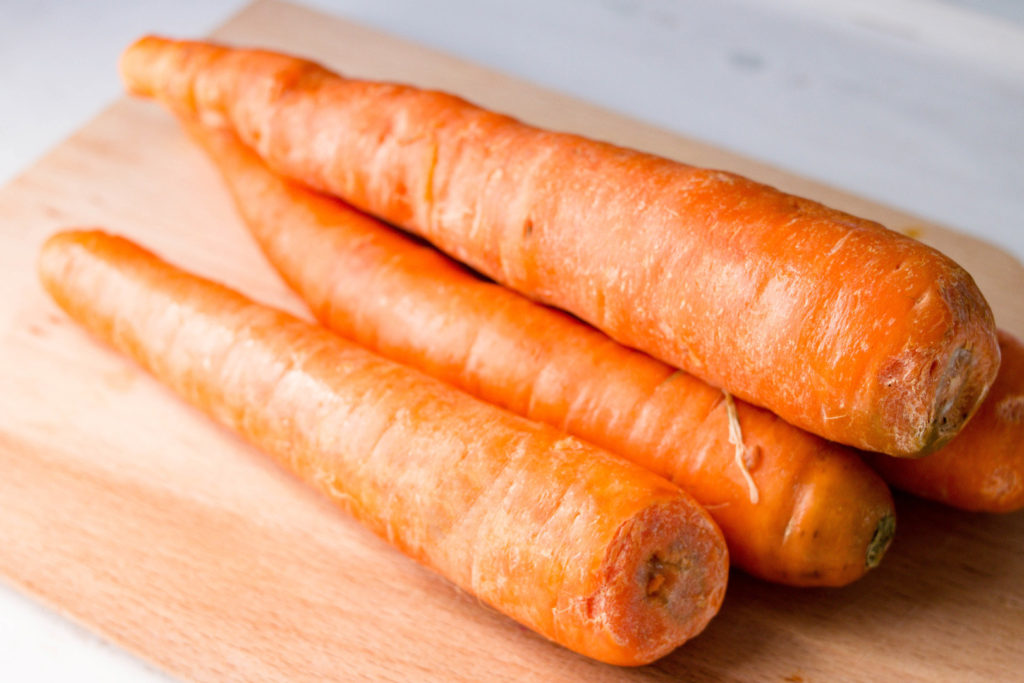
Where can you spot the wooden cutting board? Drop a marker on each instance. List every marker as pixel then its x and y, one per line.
pixel 127 511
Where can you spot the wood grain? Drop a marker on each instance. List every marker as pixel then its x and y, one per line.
pixel 132 514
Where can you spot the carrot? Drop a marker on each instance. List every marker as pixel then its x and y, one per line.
pixel 839 326
pixel 982 469
pixel 587 549
pixel 815 513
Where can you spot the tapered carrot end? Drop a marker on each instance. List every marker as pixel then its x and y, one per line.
pixel 56 253
pixel 136 65
pixel 167 69
pixel 60 262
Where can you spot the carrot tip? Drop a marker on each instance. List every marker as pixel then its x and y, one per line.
pixel 880 541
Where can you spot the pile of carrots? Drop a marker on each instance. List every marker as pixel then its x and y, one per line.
pixel 669 370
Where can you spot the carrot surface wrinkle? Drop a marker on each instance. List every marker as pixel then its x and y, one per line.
pixel 839 326
pixel 412 304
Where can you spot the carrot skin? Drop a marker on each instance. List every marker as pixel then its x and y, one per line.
pixel 822 516
pixel 982 469
pixel 839 326
pixel 593 552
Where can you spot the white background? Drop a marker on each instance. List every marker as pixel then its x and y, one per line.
pixel 916 103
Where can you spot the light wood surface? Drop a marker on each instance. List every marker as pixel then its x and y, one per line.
pixel 132 514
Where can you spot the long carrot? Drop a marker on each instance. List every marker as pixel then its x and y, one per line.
pixel 836 324
pixel 982 469
pixel 587 549
pixel 816 514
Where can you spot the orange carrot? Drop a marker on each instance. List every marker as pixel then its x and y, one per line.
pixel 589 550
pixel 816 515
pixel 839 326
pixel 982 469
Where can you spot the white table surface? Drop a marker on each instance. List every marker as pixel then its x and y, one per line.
pixel 916 103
